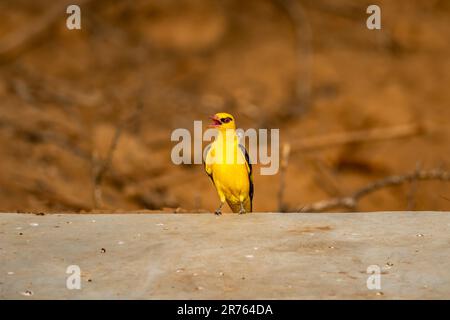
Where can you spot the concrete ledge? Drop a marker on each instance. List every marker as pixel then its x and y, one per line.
pixel 201 256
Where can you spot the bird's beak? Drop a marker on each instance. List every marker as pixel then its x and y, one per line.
pixel 216 122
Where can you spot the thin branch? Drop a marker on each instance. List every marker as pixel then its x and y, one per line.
pixel 100 167
pixel 326 180
pixel 351 201
pixel 411 201
pixel 303 36
pixel 284 163
pixel 58 140
pixel 357 136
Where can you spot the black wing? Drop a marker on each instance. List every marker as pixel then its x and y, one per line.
pixel 204 162
pixel 250 171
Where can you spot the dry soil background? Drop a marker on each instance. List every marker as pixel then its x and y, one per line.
pixel 310 68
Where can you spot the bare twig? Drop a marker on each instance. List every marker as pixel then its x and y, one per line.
pixel 303 36
pixel 411 201
pixel 284 163
pixel 100 167
pixel 29 133
pixel 351 201
pixel 326 180
pixel 357 136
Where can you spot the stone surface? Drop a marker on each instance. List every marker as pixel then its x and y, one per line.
pixel 202 256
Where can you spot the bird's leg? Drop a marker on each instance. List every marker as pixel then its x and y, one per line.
pixel 242 211
pixel 219 209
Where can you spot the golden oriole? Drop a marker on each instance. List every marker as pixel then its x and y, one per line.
pixel 228 165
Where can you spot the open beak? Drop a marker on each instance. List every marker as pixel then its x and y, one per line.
pixel 215 122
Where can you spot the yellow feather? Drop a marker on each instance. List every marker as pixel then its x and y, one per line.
pixel 225 163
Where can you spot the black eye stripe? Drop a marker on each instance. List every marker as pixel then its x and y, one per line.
pixel 225 120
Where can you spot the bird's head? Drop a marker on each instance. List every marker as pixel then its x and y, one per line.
pixel 222 121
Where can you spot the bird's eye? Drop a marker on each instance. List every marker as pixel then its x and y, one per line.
pixel 225 120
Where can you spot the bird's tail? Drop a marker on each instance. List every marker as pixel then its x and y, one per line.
pixel 236 206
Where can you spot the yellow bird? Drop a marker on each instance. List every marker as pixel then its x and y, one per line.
pixel 228 165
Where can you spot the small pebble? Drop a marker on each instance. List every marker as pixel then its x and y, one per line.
pixel 379 293
pixel 419 235
pixel 27 293
pixel 102 250
pixel 34 224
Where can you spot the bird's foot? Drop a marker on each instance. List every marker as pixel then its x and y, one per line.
pixel 242 210
pixel 218 211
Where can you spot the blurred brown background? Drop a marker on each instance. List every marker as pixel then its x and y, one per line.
pixel 139 69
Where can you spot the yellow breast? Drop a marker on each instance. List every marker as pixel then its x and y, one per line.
pixel 229 170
